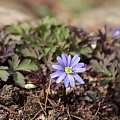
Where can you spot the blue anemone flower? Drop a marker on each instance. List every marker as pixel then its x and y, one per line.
pixel 68 69
pixel 116 33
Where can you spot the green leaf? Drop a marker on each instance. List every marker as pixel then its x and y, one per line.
pixel 113 70
pixel 60 34
pixel 64 33
pixel 25 27
pixel 15 61
pixel 46 50
pixel 105 71
pixel 28 38
pixel 50 21
pixel 99 67
pixel 29 53
pixel 106 80
pixel 52 51
pixel 19 79
pixel 100 55
pixel 15 29
pixel 92 94
pixel 4 75
pixel 85 51
pixel 27 65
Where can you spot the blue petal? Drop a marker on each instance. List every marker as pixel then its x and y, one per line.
pixel 72 81
pixel 60 61
pixel 56 74
pixel 75 56
pixel 64 58
pixel 58 67
pixel 116 32
pixel 66 81
pixel 79 65
pixel 62 76
pixel 79 79
pixel 75 60
pixel 69 60
pixel 79 70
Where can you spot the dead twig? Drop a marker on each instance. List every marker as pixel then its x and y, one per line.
pixel 41 105
pixel 47 93
pixel 99 104
pixel 36 115
pixel 7 109
pixel 67 110
pixel 74 116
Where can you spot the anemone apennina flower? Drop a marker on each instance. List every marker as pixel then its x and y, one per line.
pixel 116 32
pixel 68 69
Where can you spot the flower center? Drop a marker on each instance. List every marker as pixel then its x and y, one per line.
pixel 68 70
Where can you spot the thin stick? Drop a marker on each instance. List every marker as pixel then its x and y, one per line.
pixel 77 117
pixel 36 115
pixel 41 105
pixel 47 94
pixel 97 111
pixel 68 114
pixel 9 110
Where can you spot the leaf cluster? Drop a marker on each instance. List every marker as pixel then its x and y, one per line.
pixel 25 48
pixel 12 65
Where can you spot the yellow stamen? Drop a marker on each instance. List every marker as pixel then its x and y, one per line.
pixel 68 70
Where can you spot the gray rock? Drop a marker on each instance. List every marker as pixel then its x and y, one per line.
pixel 9 16
pixel 98 17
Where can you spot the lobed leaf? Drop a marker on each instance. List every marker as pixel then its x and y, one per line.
pixel 19 79
pixel 4 75
pixel 27 65
pixel 29 53
pixel 85 51
pixel 14 29
pixel 15 61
